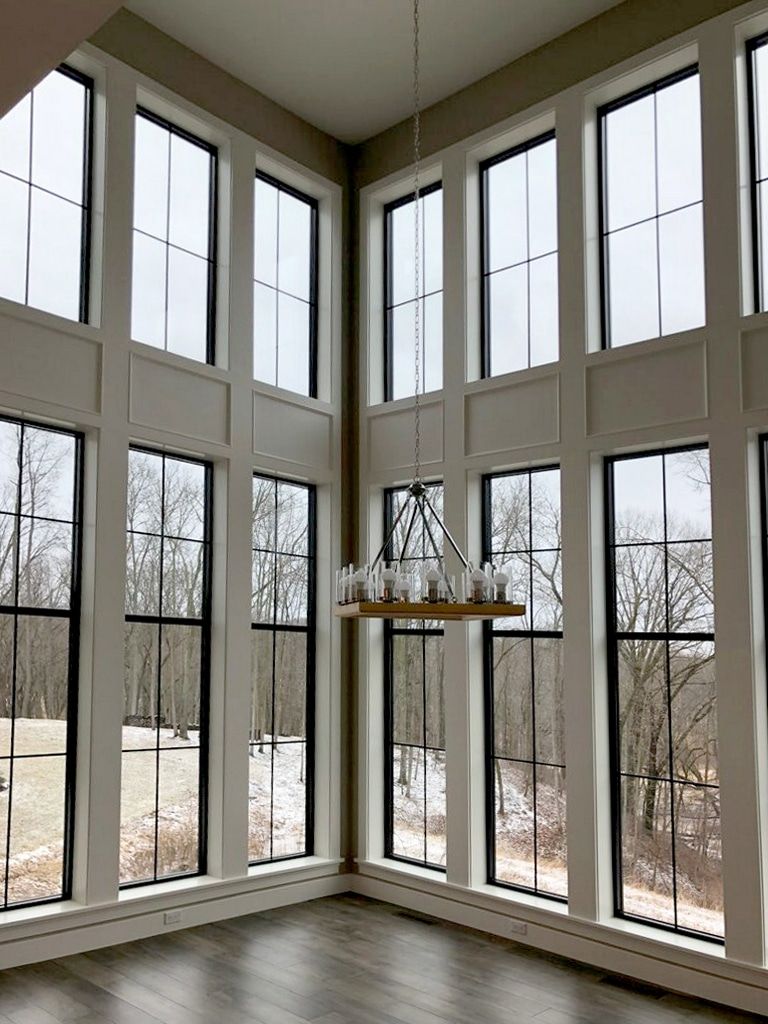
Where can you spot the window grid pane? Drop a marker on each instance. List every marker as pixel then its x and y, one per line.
pixel 666 801
pixel 519 258
pixel 174 239
pixel 40 497
pixel 526 799
pixel 45 172
pixel 651 208
pixel 166 686
pixel 757 72
pixel 400 301
pixel 281 734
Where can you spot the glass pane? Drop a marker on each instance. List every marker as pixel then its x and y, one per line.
pixel 547 590
pixel 290 686
pixel 149 291
pixel 507 218
pixel 630 158
pixel 514 823
pixel 518 568
pixel 137 816
pixel 407 693
pixel 15 138
pixel 190 208
pixel 543 299
pixel 264 334
pixel 10 434
pixel 408 798
pixel 694 711
pixel 432 220
pixel 545 505
pixel 178 819
pixel 512 693
pixel 150 188
pixel 691 587
pixel 58 136
pixel 145 491
pixel 48 475
pixel 435 815
pixel 259 802
pixel 678 134
pixel 140 688
pixel 542 199
pixel 401 242
pixel 42 685
pixel 45 564
pixel 13 238
pixel 510 520
pixel 551 833
pixel 643 719
pixel 698 855
pixel 8 525
pixel 264 512
pixel 289 799
pixel 646 850
pixel 548 696
pixel 402 350
pixel 638 499
pixel 6 695
pixel 294 246
pixel 187 305
pixel 681 252
pixel 292 580
pixel 434 711
pixel 292 518
pixel 633 285
pixel 508 315
pixel 263 587
pixel 293 344
pixel 54 255
pixel 265 233
pixel 35 864
pixel 142 577
pixel 688 490
pixel 760 58
pixel 180 649
pixel 184 505
pixel 432 343
pixel 639 575
pixel 262 675
pixel 762 206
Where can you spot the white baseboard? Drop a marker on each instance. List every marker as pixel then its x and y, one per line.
pixel 684 966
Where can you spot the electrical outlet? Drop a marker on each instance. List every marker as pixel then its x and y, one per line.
pixel 517 928
pixel 172 917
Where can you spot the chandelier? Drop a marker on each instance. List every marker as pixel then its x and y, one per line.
pixel 384 589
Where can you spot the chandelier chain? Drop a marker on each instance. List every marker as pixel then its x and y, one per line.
pixel 417 242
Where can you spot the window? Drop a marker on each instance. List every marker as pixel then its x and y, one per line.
pixel 174 239
pixel 525 741
pixel 757 69
pixel 45 172
pixel 415 711
pixel 662 686
pixel 281 745
pixel 40 500
pixel 285 287
pixel 400 299
pixel 519 257
pixel 167 638
pixel 652 255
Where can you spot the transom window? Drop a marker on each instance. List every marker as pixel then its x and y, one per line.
pixel 174 239
pixel 400 298
pixel 415 709
pixel 281 746
pixel 45 171
pixel 652 254
pixel 285 287
pixel 519 257
pixel 167 643
pixel 40 501
pixel 662 685
pixel 526 775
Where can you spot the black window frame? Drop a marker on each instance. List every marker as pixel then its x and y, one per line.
pixel 390 631
pixel 314 265
pixel 213 220
pixel 486 369
pixel 614 635
pixel 651 89
pixel 73 613
pixel 751 47
pixel 205 623
pixel 85 204
pixel 490 632
pixel 389 209
pixel 310 632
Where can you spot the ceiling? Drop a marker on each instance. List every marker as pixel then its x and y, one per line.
pixel 345 65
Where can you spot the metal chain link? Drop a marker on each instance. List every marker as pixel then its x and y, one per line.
pixel 417 243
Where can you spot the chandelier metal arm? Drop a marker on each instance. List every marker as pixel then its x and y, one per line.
pixel 389 536
pixel 408 532
pixel 446 533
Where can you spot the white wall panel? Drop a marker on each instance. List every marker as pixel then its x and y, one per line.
pixel 390 438
pixel 180 401
pixel 754 369
pixel 292 433
pixel 517 415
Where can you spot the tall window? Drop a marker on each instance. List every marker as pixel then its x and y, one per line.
pixel 662 685
pixel 174 239
pixel 400 298
pixel 282 670
pixel 415 714
pixel 285 287
pixel 651 212
pixel 167 637
pixel 40 498
pixel 45 171
pixel 519 257
pixel 524 686
pixel 757 67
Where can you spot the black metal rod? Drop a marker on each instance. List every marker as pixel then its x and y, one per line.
pixel 390 535
pixel 408 532
pixel 446 533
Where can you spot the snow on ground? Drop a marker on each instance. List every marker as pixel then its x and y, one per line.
pixel 287 799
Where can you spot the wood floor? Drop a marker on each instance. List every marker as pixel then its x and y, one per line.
pixel 342 960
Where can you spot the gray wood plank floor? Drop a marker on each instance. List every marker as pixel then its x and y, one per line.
pixel 342 960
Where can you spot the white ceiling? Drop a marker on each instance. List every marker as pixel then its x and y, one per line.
pixel 345 65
